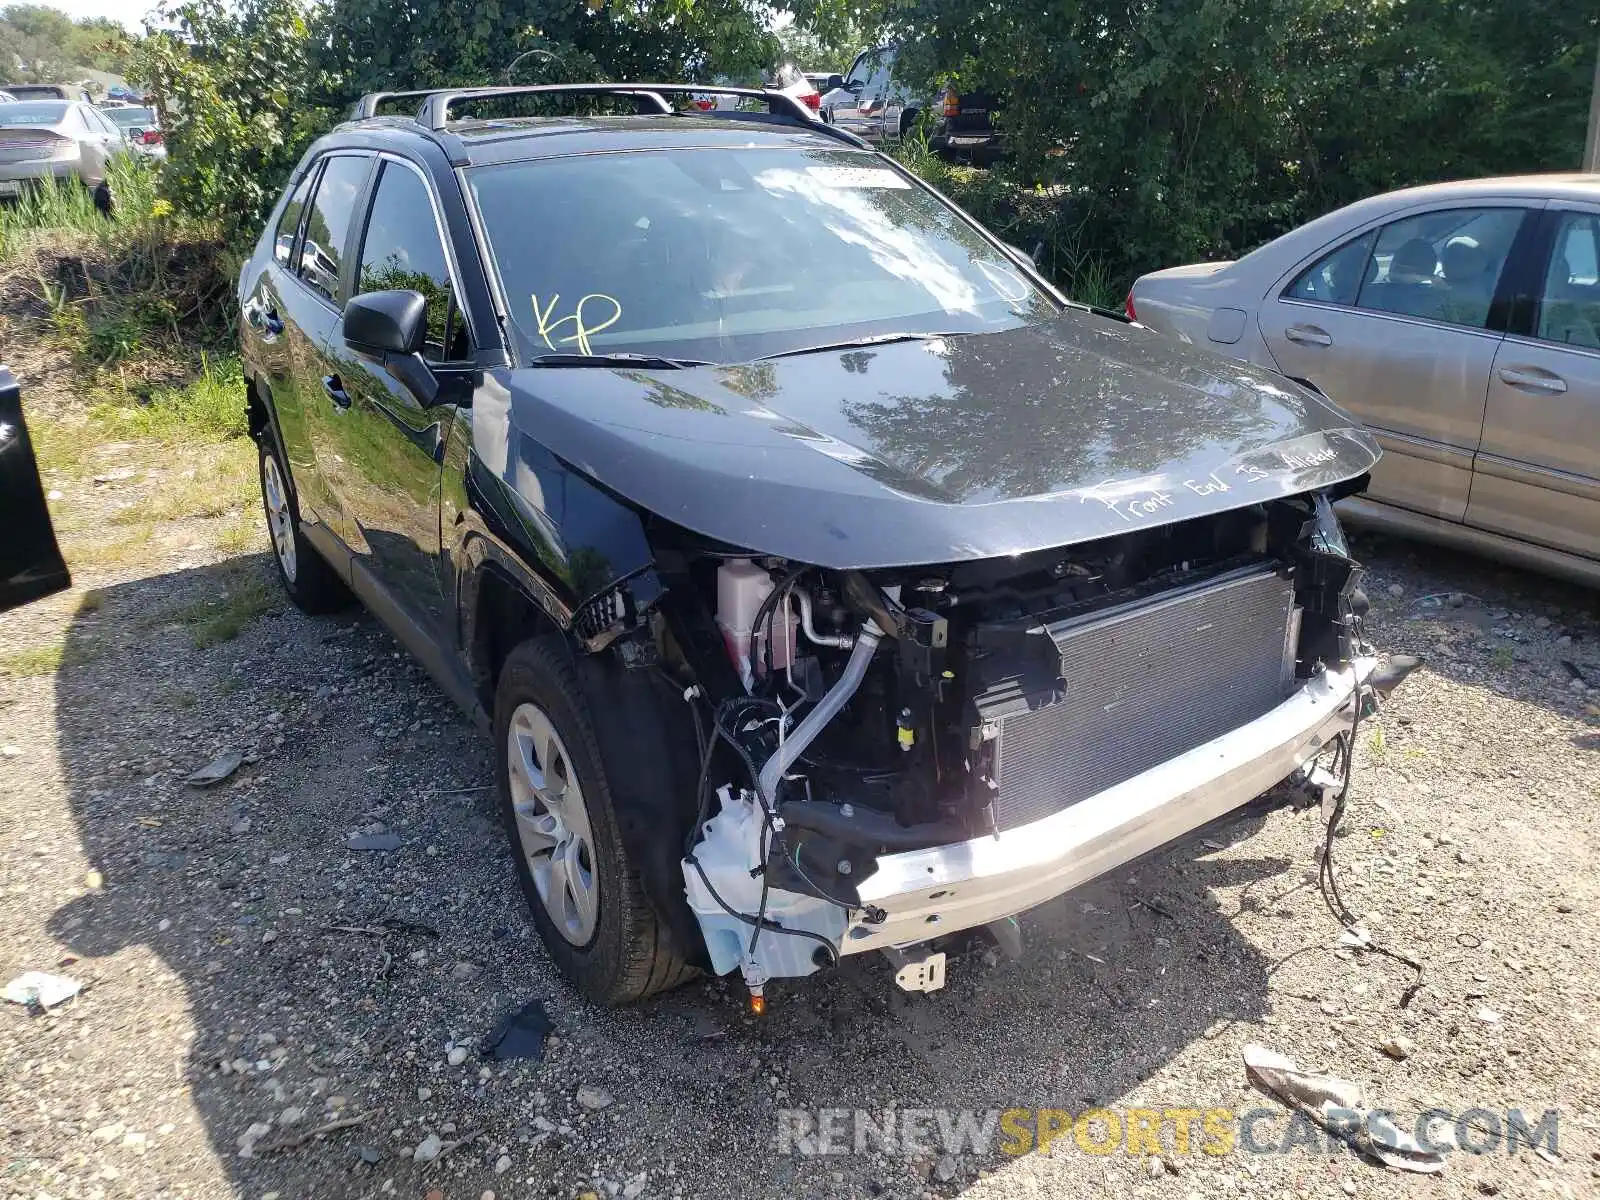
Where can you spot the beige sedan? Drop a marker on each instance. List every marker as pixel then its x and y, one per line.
pixel 1461 322
pixel 57 139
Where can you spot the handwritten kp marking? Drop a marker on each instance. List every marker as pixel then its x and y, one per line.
pixel 578 319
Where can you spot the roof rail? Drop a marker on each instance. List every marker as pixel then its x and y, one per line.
pixel 367 106
pixel 434 112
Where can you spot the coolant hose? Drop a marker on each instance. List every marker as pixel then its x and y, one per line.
pixel 826 710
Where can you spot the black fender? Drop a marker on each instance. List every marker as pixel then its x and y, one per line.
pixel 643 727
pixel 572 547
pixel 647 741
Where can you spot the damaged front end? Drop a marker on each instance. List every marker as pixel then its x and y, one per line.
pixel 889 756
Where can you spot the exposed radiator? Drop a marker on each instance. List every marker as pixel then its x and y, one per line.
pixel 1142 683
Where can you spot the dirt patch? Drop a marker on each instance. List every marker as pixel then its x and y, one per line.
pixel 245 968
pixel 269 1010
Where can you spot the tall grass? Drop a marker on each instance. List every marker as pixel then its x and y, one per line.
pixel 56 205
pixel 131 294
pixel 209 408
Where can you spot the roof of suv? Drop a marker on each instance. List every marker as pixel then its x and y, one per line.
pixel 474 142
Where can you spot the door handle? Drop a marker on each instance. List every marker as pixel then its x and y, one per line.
pixel 1532 377
pixel 1308 335
pixel 335 390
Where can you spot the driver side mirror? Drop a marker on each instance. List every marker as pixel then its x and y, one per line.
pixel 834 82
pixel 392 327
pixel 379 323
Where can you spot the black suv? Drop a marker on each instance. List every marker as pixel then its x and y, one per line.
pixel 830 583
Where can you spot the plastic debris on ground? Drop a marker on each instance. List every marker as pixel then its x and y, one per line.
pixel 217 769
pixel 1340 1107
pixel 520 1035
pixel 374 841
pixel 38 990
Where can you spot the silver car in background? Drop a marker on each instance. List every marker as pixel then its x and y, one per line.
pixel 141 125
pixel 57 139
pixel 1461 322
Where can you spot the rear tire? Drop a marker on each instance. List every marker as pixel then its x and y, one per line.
pixel 556 801
pixel 306 576
pixel 104 199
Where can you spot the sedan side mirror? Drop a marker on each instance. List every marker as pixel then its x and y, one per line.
pixel 392 327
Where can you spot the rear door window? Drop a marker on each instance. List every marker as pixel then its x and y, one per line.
pixel 328 225
pixel 289 222
pixel 1335 278
pixel 1569 304
pixel 1442 266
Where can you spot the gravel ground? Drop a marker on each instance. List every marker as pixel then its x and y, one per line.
pixel 250 978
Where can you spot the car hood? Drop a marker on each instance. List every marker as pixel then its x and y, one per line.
pixel 964 447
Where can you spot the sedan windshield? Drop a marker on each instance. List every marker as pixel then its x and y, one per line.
pixel 33 112
pixel 729 255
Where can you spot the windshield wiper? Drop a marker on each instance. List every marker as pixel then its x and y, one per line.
pixel 872 339
pixel 621 359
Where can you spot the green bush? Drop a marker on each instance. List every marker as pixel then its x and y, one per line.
pixel 1155 132
pixel 242 96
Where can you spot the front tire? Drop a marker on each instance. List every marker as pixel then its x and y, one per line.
pixel 306 576
pixel 556 801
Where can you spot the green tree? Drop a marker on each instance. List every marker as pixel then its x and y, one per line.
pixel 242 95
pixel 50 46
pixel 375 45
pixel 826 35
pixel 1169 130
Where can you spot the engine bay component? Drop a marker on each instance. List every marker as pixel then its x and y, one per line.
pixel 841 641
pixel 1142 682
pixel 744 594
pixel 916 752
pixel 866 644
pixel 764 931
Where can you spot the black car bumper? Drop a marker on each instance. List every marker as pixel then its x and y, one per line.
pixel 960 146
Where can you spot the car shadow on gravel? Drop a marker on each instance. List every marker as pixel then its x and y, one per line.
pixel 325 984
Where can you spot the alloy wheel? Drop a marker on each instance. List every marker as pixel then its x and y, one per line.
pixel 553 823
pixel 280 519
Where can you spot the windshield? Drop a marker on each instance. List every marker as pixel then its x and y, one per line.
pixel 131 118
pixel 33 112
pixel 734 254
